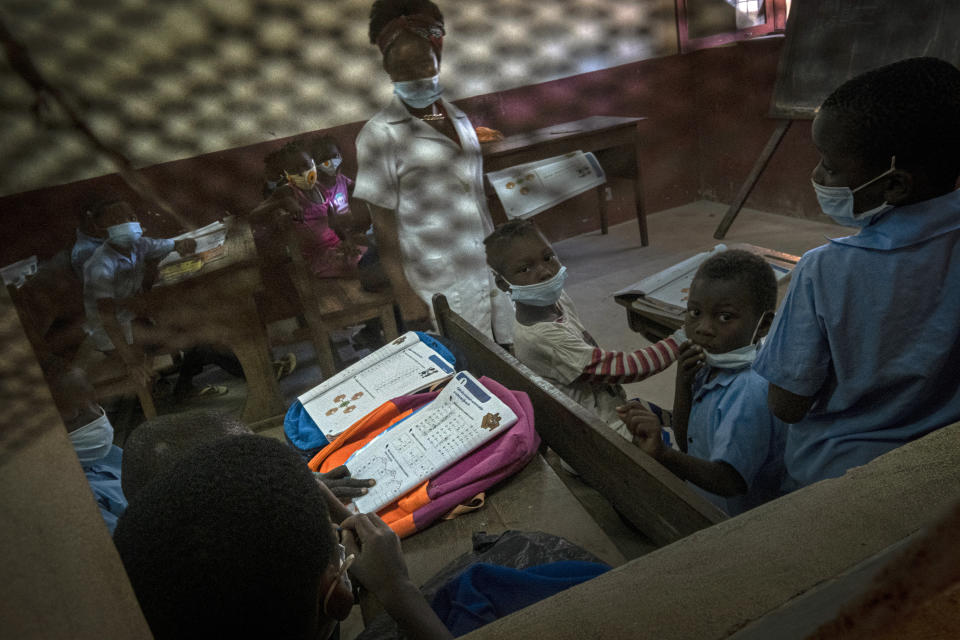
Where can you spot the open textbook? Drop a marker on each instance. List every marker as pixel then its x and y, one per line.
pixel 528 189
pixel 461 418
pixel 210 246
pixel 400 367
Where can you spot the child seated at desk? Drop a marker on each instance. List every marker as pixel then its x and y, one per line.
pixel 326 228
pixel 117 270
pixel 548 335
pixel 863 355
pixel 731 446
pixel 237 540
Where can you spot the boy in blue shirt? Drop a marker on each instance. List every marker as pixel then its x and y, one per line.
pixel 863 355
pixel 731 447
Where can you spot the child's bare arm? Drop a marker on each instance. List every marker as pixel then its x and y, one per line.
pixel 381 569
pixel 716 477
pixel 622 367
pixel 786 405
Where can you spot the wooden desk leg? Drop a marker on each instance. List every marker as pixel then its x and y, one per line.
pixel 389 322
pixel 602 198
pixel 638 194
pixel 253 352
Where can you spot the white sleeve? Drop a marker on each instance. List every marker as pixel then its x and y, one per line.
pixel 377 181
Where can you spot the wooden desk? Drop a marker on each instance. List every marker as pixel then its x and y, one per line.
pixel 533 500
pixel 596 133
pixel 216 305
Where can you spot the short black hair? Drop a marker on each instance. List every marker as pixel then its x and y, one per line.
pixel 383 11
pixel 275 160
pixel 318 144
pixel 160 442
pixel 503 235
pixel 748 268
pixel 909 109
pixel 230 542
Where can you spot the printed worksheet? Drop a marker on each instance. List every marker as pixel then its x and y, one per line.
pixel 464 416
pixel 403 366
pixel 528 189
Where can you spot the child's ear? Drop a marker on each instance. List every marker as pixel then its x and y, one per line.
pixel 899 187
pixel 764 325
pixel 501 283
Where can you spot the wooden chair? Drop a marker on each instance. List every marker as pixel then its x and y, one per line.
pixel 333 303
pixel 50 306
pixel 112 376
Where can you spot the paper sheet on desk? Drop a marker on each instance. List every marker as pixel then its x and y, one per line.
pixel 461 418
pixel 528 189
pixel 402 366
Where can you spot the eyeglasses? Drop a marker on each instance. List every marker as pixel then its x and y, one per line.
pixel 339 609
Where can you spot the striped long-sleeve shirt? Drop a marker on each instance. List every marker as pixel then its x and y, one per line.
pixel 622 367
pixel 564 353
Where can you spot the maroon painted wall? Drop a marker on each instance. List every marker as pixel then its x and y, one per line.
pixel 706 124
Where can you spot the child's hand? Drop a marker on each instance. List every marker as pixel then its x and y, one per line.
pixel 645 427
pixel 342 485
pixel 185 247
pixel 689 361
pixel 379 564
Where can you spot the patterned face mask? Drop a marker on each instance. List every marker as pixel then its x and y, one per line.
pixel 305 180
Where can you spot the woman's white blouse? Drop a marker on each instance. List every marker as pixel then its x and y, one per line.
pixel 436 189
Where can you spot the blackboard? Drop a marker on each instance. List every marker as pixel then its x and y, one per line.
pixel 831 41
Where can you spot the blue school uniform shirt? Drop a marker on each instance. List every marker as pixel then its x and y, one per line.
pixel 870 327
pixel 730 422
pixel 103 475
pixel 82 250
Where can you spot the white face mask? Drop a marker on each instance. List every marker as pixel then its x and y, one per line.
pixel 125 234
pixel 330 165
pixel 541 294
pixel 837 202
pixel 419 93
pixel 93 440
pixel 738 358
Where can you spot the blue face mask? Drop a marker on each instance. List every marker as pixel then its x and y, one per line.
pixel 125 235
pixel 93 440
pixel 419 93
pixel 837 202
pixel 542 294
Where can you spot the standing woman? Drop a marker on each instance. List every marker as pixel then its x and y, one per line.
pixel 420 171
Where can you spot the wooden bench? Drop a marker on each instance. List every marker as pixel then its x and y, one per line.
pixel 654 500
pixel 333 303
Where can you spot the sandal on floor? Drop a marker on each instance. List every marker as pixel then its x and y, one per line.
pixel 285 365
pixel 212 390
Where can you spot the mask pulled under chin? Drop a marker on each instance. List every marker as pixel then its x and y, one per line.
pixel 736 359
pixel 420 93
pixel 541 294
pixel 93 440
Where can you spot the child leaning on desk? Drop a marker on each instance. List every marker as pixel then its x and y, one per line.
pixel 731 446
pixel 549 337
pixel 863 355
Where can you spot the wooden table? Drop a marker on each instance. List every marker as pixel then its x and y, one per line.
pixel 216 305
pixel 596 133
pixel 533 500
